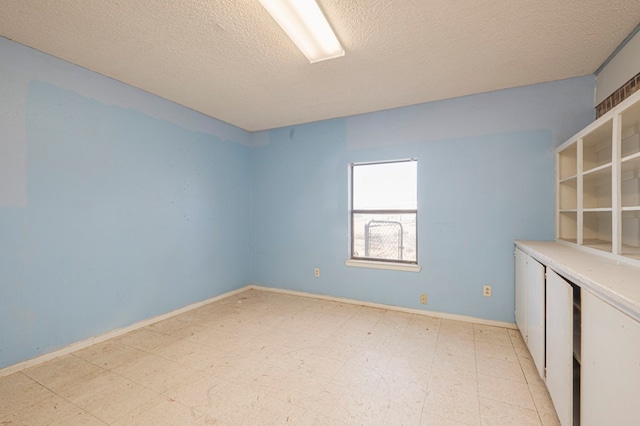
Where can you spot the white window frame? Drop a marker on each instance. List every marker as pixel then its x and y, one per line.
pixel 375 263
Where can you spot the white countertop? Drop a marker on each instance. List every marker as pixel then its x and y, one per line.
pixel 614 282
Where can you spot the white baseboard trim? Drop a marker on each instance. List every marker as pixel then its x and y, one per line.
pixel 111 334
pixel 120 331
pixel 443 315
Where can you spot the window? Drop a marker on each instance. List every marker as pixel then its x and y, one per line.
pixel 384 211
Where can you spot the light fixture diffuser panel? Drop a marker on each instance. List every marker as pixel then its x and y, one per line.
pixel 307 27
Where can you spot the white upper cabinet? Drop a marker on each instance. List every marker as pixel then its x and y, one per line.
pixel 598 185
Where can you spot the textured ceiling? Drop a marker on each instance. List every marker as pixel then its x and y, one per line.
pixel 229 59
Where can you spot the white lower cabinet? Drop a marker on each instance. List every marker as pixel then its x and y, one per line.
pixel 535 313
pixel 610 367
pixel 521 292
pixel 530 305
pixel 583 312
pixel 559 347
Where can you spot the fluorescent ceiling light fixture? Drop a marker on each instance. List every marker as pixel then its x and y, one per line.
pixel 306 25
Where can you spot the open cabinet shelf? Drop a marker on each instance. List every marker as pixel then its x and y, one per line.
pixel 596 147
pixel 598 184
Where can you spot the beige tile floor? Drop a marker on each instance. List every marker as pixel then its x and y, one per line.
pixel 267 358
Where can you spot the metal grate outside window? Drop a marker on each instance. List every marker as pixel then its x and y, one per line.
pixel 384 211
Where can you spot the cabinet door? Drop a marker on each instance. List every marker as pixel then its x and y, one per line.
pixel 610 367
pixel 521 292
pixel 535 312
pixel 560 345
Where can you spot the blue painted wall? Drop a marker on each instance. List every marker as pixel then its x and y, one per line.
pixel 115 206
pixel 485 178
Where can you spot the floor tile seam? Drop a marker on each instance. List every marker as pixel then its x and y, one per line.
pixel 401 329
pixel 51 397
pixel 490 396
pixel 195 342
pixel 529 384
pixel 199 374
pixel 458 355
pixel 189 339
pixel 175 386
pixel 155 355
pixel 287 400
pixel 67 400
pixel 447 390
pixel 505 379
pixel 477 379
pixel 493 376
pixel 208 390
pixel 536 404
pixel 531 369
pixel 515 363
pixel 389 368
pixel 22 373
pixel 497 358
pixel 523 353
pixel 192 409
pixel 541 412
pixel 490 329
pixel 431 367
pixel 535 371
pixel 456 333
pixel 128 379
pixel 543 387
pixel 513 405
pixel 104 370
pixel 370 325
pixel 493 342
pixel 514 337
pixel 497 353
pixel 444 415
pixel 39 400
pixel 387 388
pixel 141 384
pixel 116 339
pixel 401 351
pixel 175 335
pixel 524 373
pixel 108 369
pixel 415 339
pixel 119 416
pixel 184 364
pixel 84 410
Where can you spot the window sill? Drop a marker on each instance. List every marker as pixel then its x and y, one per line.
pixel 407 267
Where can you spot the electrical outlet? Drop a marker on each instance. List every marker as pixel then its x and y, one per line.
pixel 316 272
pixel 423 298
pixel 486 291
